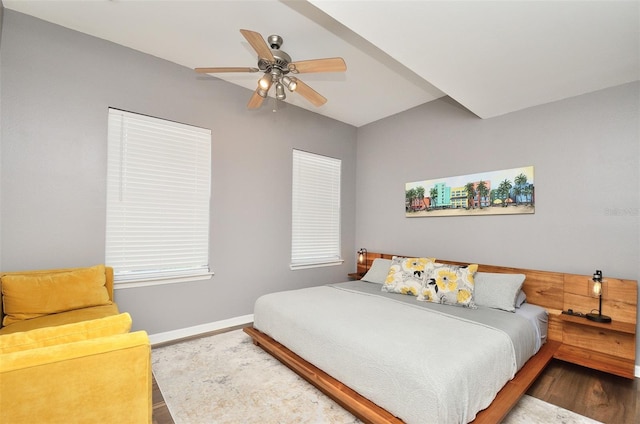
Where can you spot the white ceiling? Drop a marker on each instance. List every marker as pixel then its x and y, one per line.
pixel 493 57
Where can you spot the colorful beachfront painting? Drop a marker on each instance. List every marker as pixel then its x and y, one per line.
pixel 510 191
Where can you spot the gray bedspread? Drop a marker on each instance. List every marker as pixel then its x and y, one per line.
pixel 423 362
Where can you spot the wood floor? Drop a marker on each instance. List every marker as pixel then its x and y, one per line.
pixel 594 394
pixel 161 413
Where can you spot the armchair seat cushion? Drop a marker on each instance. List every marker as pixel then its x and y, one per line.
pixel 67 333
pixel 84 314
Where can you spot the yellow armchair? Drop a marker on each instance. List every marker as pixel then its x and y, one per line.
pixel 87 372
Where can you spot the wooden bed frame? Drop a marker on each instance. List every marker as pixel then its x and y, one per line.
pixel 551 290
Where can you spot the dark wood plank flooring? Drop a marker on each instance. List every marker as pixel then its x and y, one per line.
pixel 160 413
pixel 594 394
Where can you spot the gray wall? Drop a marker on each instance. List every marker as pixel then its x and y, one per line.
pixel 57 85
pixel 586 154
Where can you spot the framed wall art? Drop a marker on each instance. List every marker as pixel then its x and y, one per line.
pixel 506 192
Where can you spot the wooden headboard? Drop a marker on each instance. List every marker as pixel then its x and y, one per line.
pixel 583 341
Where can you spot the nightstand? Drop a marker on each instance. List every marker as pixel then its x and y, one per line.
pixel 354 276
pixel 605 347
pixel 608 347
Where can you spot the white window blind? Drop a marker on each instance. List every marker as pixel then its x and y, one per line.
pixel 158 190
pixel 315 237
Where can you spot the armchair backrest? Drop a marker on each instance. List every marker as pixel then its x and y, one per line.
pixel 108 279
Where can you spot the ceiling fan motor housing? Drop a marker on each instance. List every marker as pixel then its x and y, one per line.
pixel 281 62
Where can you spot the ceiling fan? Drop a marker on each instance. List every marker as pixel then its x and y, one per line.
pixel 277 65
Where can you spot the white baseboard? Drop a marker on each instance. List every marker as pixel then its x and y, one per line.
pixel 182 333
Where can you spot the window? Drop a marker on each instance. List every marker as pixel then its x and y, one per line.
pixel 315 239
pixel 158 190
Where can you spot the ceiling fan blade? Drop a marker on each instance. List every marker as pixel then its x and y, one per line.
pixel 258 44
pixel 333 64
pixel 310 94
pixel 223 69
pixel 255 101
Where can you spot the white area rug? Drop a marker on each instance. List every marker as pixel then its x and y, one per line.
pixel 225 379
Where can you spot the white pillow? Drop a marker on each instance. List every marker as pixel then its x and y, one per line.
pixel 378 271
pixel 498 291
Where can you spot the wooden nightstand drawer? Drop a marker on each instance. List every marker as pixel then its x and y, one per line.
pixel 598 361
pixel 619 344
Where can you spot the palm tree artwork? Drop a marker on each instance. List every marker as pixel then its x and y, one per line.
pixel 420 196
pixel 483 192
pixel 433 193
pixel 508 191
pixel 471 194
pixel 520 187
pixel 504 192
pixel 409 196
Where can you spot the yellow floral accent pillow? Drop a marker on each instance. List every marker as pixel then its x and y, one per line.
pixel 449 284
pixel 406 275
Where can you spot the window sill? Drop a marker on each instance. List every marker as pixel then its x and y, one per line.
pixel 160 281
pixel 295 267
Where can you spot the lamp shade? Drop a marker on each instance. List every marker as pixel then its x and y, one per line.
pixel 265 82
pixel 597 290
pixel 280 95
pixel 363 260
pixel 290 82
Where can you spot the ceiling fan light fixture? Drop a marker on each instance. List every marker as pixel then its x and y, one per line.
pixel 280 94
pixel 265 82
pixel 262 92
pixel 290 82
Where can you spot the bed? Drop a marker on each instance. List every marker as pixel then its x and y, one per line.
pixel 388 357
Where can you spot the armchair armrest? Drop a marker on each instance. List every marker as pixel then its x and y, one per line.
pixel 106 379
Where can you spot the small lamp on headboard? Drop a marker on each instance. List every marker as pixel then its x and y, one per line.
pixel 362 259
pixel 596 290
